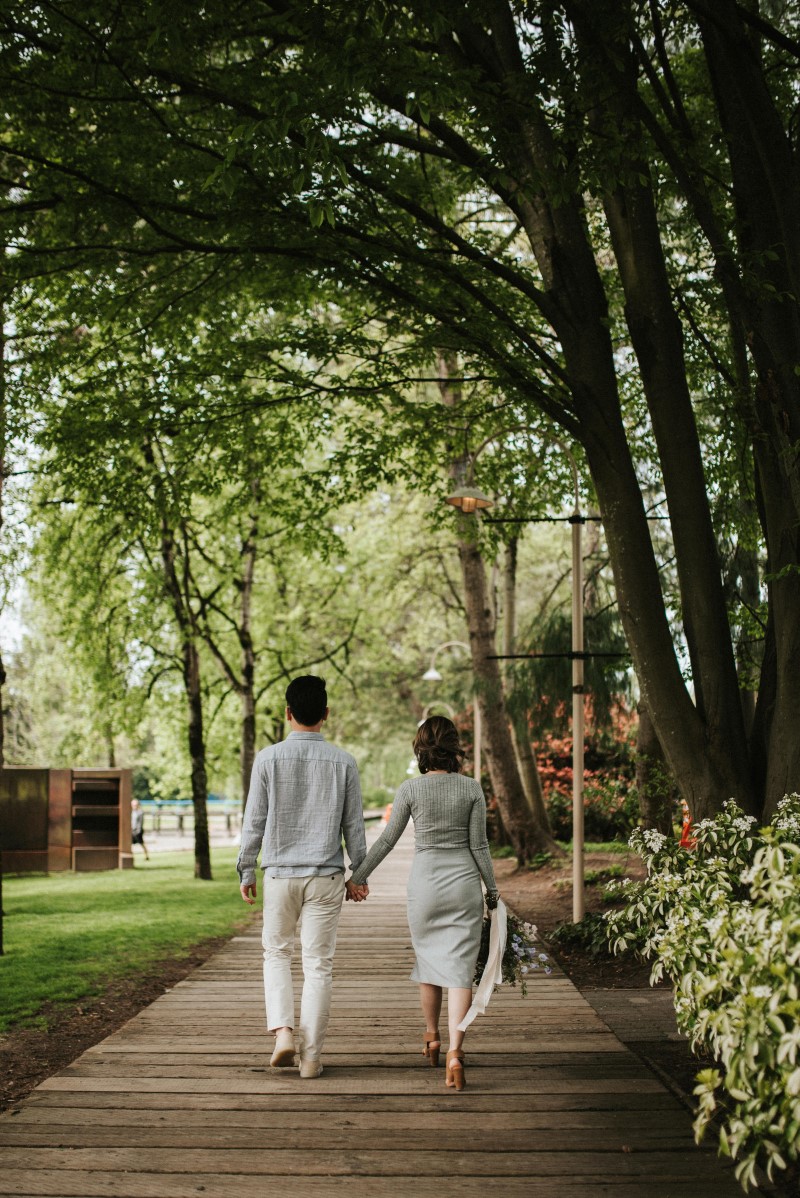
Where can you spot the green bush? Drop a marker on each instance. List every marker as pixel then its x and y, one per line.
pixel 377 796
pixel 723 922
pixel 610 811
pixel 608 872
pixel 588 934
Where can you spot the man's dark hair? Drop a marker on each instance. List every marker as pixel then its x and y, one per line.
pixel 307 699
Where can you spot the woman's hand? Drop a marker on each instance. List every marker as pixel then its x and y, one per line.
pixel 355 893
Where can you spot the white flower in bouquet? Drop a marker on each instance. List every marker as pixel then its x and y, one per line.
pixel 522 954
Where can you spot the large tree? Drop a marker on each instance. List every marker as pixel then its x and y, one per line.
pixel 508 182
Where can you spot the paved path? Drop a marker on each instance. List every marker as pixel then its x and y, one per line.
pixel 181 1102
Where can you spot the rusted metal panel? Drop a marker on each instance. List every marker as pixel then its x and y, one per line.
pixel 125 795
pixel 59 860
pixel 23 810
pixel 59 815
pixel 25 861
pixel 86 860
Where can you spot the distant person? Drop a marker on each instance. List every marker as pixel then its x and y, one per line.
pixel 445 899
pixel 304 796
pixel 137 827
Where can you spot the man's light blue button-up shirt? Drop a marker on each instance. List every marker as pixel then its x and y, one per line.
pixel 305 794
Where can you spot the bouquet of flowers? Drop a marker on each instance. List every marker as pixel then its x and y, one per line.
pixel 521 956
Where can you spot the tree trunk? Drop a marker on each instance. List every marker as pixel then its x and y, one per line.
pixel 197 754
pixel 653 781
pixel 764 173
pixel 781 671
pixel 190 659
pixel 700 760
pixel 111 753
pixel 520 731
pixel 247 690
pixel 528 835
pixel 657 340
pixel 248 750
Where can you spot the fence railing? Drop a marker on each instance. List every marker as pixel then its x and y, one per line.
pixel 177 815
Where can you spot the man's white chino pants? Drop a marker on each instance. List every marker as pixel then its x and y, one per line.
pixel 316 903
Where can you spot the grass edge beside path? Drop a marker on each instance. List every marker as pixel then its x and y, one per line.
pixel 29 1055
pixel 70 937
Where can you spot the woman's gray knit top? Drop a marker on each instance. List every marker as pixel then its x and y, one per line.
pixel 449 812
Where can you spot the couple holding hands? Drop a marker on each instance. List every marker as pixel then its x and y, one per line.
pixel 305 796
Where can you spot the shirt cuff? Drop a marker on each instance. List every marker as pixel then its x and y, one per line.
pixel 247 876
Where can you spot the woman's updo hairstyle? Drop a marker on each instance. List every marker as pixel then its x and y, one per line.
pixel 437 747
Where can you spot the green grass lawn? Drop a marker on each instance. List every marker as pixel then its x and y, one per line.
pixel 66 934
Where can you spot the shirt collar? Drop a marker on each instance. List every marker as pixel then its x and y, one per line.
pixel 305 736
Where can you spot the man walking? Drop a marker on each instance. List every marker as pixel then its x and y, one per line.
pixel 304 795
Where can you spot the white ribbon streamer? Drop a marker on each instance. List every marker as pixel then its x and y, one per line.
pixel 493 971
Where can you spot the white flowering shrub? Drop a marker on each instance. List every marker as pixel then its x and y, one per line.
pixel 722 920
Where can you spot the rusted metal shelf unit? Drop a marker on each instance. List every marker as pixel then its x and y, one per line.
pixel 52 820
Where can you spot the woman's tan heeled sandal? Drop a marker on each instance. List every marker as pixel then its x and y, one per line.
pixel 431 1046
pixel 454 1077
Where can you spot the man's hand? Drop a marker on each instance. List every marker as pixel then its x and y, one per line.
pixel 248 891
pixel 354 893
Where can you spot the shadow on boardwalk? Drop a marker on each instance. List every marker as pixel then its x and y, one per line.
pixel 181 1100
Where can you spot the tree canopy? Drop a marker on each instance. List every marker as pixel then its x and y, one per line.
pixel 590 207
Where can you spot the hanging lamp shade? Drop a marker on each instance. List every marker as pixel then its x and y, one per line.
pixel 469 499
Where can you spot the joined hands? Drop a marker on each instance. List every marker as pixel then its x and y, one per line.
pixel 355 893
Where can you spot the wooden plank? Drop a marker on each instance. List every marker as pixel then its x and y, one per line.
pixel 307 1100
pixel 463 1162
pixel 345 1036
pixel 273 1082
pixel 144 1184
pixel 604 1057
pixel 325 1139
pixel 379 1123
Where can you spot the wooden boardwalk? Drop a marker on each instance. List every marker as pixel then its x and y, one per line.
pixel 181 1101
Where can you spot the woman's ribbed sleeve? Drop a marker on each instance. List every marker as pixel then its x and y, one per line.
pixel 478 843
pixel 401 813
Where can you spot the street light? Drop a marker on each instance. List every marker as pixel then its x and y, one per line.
pixel 433 675
pixel 469 499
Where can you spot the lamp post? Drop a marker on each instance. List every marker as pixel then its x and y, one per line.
pixel 470 499
pixel 577 521
pixel 433 675
pixel 426 711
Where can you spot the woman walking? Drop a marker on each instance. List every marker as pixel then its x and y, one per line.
pixel 445 900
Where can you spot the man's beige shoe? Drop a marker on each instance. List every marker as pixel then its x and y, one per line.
pixel 283 1053
pixel 310 1068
